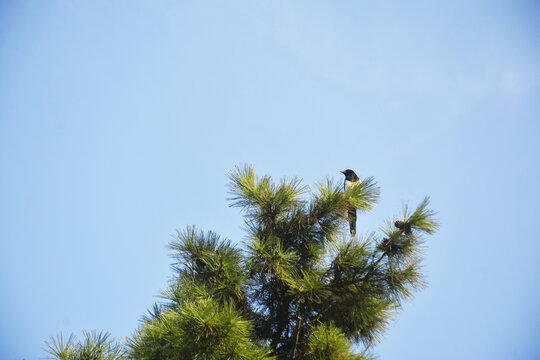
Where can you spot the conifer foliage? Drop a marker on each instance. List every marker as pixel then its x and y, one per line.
pixel 300 287
pixel 94 346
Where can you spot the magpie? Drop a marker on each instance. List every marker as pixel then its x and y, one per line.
pixel 351 179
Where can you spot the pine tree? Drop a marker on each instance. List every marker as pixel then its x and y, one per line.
pixel 300 288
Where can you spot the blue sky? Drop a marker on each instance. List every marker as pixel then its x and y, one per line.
pixel 119 121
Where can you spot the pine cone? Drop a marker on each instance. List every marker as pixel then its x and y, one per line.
pixel 387 243
pixel 405 227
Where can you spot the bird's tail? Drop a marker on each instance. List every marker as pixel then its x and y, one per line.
pixel 352 221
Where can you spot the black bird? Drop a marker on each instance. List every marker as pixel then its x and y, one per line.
pixel 351 179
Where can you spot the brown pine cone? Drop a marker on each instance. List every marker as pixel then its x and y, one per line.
pixel 405 227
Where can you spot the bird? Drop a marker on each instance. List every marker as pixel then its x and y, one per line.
pixel 351 179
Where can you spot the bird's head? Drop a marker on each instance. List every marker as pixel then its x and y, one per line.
pixel 350 175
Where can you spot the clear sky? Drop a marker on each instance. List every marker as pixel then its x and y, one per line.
pixel 119 121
